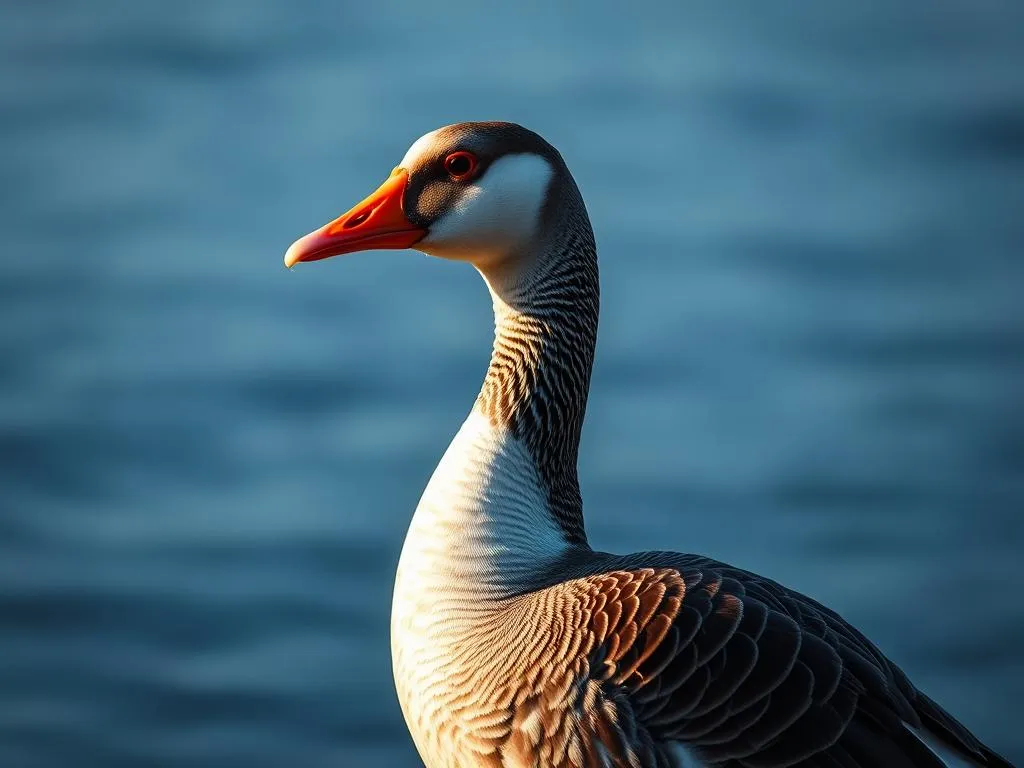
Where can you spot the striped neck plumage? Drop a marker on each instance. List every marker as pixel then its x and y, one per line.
pixel 545 317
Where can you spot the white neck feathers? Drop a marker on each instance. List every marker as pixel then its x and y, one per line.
pixel 483 522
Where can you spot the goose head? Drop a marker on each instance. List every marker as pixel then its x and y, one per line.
pixel 474 192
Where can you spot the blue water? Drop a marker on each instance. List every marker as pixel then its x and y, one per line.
pixel 811 360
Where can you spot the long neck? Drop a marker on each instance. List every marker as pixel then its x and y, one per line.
pixel 504 501
pixel 536 386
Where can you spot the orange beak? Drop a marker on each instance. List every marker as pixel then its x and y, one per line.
pixel 377 222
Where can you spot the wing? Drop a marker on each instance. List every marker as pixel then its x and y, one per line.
pixel 743 672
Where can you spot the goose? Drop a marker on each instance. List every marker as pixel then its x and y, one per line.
pixel 514 643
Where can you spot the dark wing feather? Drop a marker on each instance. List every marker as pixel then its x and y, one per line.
pixel 747 673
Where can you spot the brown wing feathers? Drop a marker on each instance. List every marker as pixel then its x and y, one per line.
pixel 745 674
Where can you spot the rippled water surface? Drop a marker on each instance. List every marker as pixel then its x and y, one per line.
pixel 811 360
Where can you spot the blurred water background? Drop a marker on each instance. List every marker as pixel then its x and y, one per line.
pixel 811 360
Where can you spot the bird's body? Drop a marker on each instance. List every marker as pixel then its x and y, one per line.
pixel 514 643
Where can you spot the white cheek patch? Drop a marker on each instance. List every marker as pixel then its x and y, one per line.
pixel 495 215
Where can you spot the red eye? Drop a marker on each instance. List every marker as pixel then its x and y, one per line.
pixel 460 165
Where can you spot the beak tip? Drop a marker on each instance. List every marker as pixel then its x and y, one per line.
pixel 292 256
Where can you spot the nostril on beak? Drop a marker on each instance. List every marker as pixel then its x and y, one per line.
pixel 358 219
